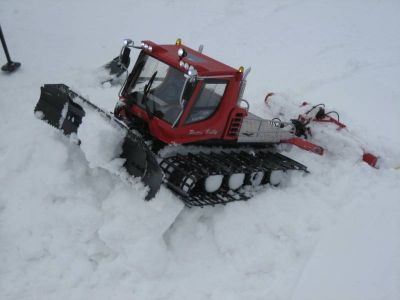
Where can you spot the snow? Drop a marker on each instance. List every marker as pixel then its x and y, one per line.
pixel 213 183
pixel 276 177
pixel 63 115
pixel 71 230
pixel 366 274
pixel 101 142
pixel 236 181
pixel 256 178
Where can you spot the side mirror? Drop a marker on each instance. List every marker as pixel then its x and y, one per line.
pixel 124 58
pixel 119 65
pixel 128 42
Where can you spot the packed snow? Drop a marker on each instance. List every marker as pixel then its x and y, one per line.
pixel 101 141
pixel 236 181
pixel 71 229
pixel 213 183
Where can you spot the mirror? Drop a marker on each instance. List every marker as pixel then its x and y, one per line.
pixel 128 42
pixel 124 59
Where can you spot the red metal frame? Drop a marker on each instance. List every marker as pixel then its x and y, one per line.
pixel 329 119
pixel 266 99
pixel 305 145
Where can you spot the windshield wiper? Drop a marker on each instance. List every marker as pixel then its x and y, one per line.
pixel 146 93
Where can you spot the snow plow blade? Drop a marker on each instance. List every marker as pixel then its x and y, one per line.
pixel 64 109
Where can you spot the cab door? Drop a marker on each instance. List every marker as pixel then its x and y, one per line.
pixel 207 113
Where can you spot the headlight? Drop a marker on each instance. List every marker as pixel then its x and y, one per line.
pixel 192 71
pixel 181 53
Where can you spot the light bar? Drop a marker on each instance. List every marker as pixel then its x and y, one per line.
pixel 146 47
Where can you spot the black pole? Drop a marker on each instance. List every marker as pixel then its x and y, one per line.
pixel 3 41
pixel 10 66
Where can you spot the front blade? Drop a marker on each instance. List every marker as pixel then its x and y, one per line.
pixel 64 109
pixel 141 162
pixel 56 107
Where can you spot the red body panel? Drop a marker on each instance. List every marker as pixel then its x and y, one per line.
pixel 234 123
pixel 214 127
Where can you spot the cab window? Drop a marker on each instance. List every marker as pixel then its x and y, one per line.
pixel 207 102
pixel 163 99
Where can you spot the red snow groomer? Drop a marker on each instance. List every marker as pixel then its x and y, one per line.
pixel 175 95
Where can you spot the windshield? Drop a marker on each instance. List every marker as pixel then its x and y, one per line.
pixel 165 91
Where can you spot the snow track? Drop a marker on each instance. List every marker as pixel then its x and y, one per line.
pixel 71 230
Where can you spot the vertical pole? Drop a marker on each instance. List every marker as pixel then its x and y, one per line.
pixel 10 66
pixel 3 42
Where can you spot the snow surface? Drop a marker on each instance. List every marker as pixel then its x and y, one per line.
pixel 276 177
pixel 213 183
pixel 236 180
pixel 72 230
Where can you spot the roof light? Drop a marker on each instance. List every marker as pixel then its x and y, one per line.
pixel 241 69
pixel 182 53
pixel 145 46
pixel 178 42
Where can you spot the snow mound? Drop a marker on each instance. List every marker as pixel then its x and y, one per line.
pixel 101 142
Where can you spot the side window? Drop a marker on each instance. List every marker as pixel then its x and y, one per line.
pixel 207 101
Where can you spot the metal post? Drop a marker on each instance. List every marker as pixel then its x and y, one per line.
pixel 10 66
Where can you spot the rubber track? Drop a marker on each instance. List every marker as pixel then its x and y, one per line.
pixel 185 174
